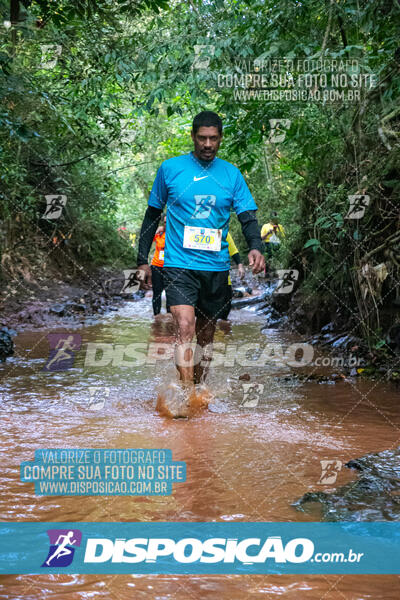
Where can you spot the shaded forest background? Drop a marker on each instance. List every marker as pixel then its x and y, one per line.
pixel 128 79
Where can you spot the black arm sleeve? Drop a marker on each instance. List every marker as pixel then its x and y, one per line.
pixel 236 258
pixel 251 230
pixel 147 232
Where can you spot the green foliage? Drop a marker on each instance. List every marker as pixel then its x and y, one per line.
pixel 61 123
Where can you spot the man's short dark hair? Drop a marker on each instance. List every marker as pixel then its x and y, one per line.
pixel 207 118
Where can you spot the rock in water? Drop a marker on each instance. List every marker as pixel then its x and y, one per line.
pixel 177 402
pixel 374 496
pixel 6 345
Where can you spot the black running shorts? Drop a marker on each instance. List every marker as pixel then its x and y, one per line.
pixel 205 290
pixel 228 303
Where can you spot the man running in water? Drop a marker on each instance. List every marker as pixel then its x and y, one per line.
pixel 199 191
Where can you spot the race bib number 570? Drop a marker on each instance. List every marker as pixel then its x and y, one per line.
pixel 202 238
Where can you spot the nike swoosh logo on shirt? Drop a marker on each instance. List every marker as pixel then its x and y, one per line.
pixel 198 178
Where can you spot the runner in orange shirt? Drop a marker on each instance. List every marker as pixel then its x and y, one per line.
pixel 157 264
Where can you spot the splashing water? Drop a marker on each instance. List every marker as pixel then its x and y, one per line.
pixel 176 401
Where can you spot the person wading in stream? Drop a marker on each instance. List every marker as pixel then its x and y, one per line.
pixel 157 264
pixel 199 190
pixel 235 256
pixel 271 234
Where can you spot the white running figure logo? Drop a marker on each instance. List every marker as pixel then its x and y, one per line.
pixel 62 353
pixel 62 550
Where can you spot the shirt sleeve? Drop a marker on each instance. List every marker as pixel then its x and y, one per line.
pixel 242 198
pixel 159 192
pixel 231 245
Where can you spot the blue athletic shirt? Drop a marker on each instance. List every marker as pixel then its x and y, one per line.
pixel 198 194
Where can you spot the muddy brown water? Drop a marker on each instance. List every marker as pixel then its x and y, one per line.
pixel 243 464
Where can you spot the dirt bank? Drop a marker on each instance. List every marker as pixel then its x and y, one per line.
pixel 53 301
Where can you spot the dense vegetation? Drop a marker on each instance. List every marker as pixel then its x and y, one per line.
pixel 129 78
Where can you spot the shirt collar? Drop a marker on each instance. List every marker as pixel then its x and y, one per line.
pixel 206 164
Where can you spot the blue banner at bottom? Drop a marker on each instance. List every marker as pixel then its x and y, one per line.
pixel 206 548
